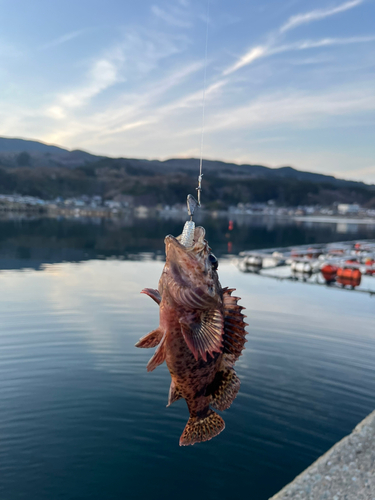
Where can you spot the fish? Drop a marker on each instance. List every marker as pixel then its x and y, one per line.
pixel 200 336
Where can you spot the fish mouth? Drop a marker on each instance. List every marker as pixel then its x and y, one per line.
pixel 173 244
pixel 175 251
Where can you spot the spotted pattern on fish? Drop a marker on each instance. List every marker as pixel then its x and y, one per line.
pixel 201 335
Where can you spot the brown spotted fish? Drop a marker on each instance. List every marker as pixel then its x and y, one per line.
pixel 200 336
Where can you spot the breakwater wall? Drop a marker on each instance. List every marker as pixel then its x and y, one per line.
pixel 345 472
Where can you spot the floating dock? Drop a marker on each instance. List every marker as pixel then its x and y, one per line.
pixel 343 265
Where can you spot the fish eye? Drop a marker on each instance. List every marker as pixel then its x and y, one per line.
pixel 213 260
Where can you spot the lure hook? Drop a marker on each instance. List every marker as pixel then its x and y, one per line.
pixel 192 204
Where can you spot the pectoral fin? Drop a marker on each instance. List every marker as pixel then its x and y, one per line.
pixel 159 357
pixel 204 336
pixel 152 339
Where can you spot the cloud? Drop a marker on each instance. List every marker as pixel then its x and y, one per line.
pixel 296 108
pixel 316 15
pixel 311 44
pixel 174 18
pixel 62 39
pixel 138 54
pixel 130 111
pixel 272 47
pixel 103 74
pixel 248 58
pixel 264 51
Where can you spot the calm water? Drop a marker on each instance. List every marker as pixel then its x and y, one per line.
pixel 82 419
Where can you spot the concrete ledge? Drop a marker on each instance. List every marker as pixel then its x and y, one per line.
pixel 345 472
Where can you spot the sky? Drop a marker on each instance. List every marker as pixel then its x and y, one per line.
pixel 288 82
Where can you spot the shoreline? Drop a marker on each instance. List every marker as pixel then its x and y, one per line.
pixel 334 219
pixel 145 212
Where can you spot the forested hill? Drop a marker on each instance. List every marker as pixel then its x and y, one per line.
pixel 37 169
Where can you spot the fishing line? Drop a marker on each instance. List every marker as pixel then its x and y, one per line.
pixel 199 188
pixel 187 237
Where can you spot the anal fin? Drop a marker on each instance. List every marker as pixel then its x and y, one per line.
pixel 152 339
pixel 158 358
pixel 174 393
pixel 223 389
pixel 200 429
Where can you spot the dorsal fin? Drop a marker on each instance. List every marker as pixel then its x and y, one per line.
pixel 154 294
pixel 205 335
pixel 234 328
pixel 174 393
pixel 152 339
pixel 159 357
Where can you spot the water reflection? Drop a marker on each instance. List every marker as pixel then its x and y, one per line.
pixel 45 240
pixel 81 418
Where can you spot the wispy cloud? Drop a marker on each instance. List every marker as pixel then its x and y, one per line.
pixel 311 44
pixel 63 39
pixel 131 59
pixel 103 74
pixel 297 108
pixel 250 56
pixel 316 15
pixel 131 111
pixel 174 17
pixel 264 51
pixel 274 47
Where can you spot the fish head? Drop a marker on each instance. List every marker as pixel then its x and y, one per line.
pixel 194 266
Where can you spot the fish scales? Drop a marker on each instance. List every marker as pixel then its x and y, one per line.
pixel 200 336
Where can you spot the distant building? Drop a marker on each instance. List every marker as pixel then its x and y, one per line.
pixel 141 211
pixel 347 209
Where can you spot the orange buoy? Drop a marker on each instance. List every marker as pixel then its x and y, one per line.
pixel 370 267
pixel 348 276
pixel 329 272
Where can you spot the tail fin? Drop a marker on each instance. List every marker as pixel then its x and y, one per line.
pixel 199 429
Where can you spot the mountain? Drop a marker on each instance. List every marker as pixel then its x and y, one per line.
pixel 247 170
pixel 46 154
pixel 14 145
pixel 46 171
pixel 40 154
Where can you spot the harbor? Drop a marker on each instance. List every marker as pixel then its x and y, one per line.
pixel 348 265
